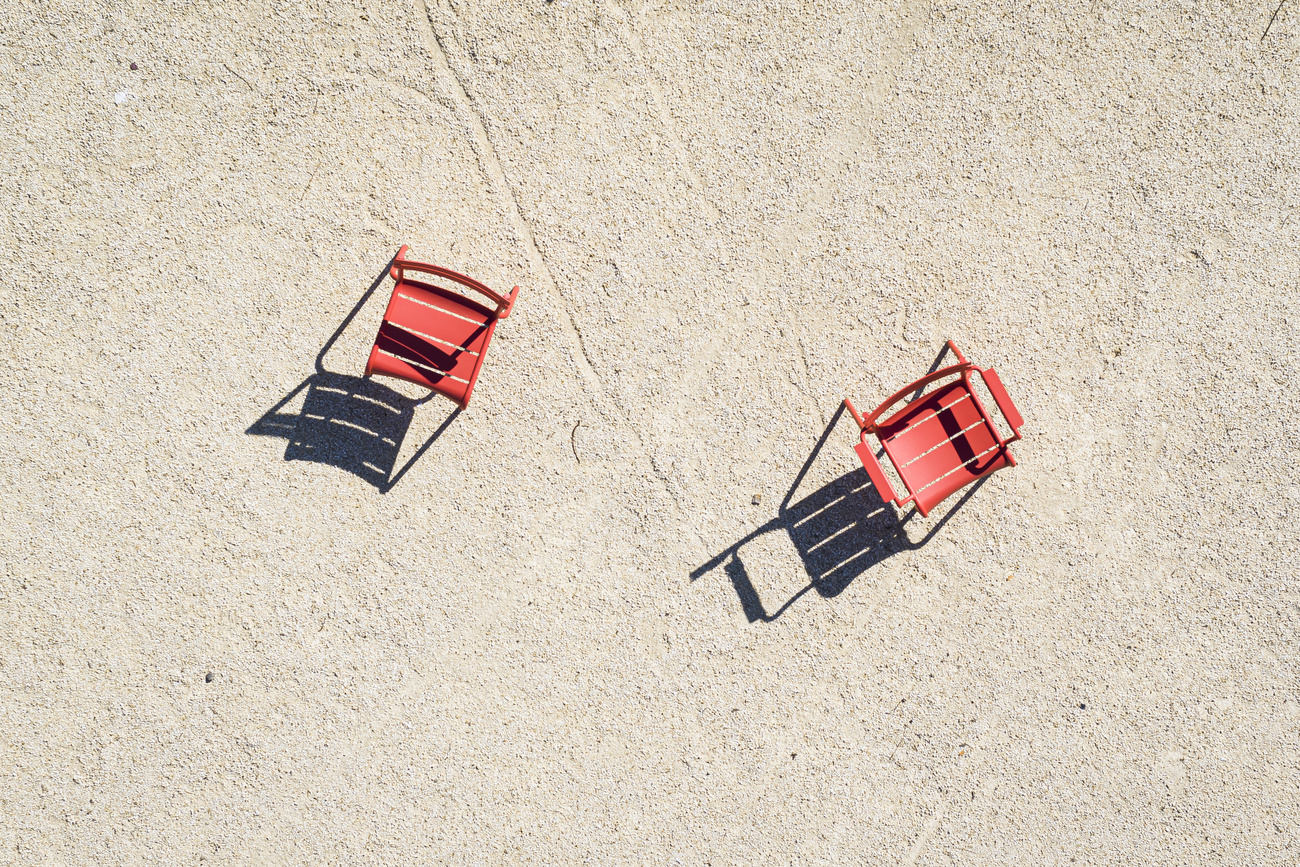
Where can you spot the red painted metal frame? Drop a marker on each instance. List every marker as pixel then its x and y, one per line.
pixel 917 415
pixel 432 336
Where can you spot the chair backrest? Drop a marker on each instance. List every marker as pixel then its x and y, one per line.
pixel 872 422
pixel 401 265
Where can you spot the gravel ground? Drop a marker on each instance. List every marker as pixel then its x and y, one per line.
pixel 638 605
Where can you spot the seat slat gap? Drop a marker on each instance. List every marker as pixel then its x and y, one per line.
pixel 441 373
pixel 943 443
pixel 958 467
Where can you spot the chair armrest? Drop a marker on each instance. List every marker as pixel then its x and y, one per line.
pixel 1003 400
pixel 401 264
pixel 875 470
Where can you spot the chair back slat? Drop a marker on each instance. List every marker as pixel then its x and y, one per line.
pixel 432 357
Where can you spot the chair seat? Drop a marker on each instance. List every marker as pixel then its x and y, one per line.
pixel 432 337
pixel 941 443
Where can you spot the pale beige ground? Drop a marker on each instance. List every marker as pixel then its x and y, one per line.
pixel 724 217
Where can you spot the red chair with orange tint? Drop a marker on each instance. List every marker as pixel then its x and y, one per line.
pixel 434 337
pixel 941 441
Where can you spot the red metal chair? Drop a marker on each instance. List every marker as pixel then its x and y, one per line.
pixel 942 441
pixel 432 336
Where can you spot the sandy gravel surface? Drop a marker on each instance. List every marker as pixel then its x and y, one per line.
pixel 562 630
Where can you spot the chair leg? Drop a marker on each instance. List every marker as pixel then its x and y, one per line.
pixel 857 416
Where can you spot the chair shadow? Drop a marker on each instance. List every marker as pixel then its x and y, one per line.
pixel 839 531
pixel 348 422
pixel 938 362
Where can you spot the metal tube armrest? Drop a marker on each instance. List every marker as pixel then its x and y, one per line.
pixel 875 470
pixel 510 303
pixel 1003 400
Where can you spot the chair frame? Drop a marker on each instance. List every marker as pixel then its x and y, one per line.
pixel 504 304
pixel 872 423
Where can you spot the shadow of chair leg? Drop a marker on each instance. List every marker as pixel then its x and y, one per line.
pixel 420 451
pixel 812 585
pixel 347 320
pixel 812 457
pixel 749 601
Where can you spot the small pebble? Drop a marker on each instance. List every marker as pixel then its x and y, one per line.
pixel 207 678
pixel 758 500
pixel 1082 706
pixel 134 67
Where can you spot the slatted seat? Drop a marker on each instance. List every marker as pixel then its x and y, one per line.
pixel 432 336
pixel 943 440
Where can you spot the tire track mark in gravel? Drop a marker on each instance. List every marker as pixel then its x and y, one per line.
pixel 476 121
pixel 633 41
pixel 927 831
pixel 842 147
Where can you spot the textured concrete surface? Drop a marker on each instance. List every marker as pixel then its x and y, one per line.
pixel 562 629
